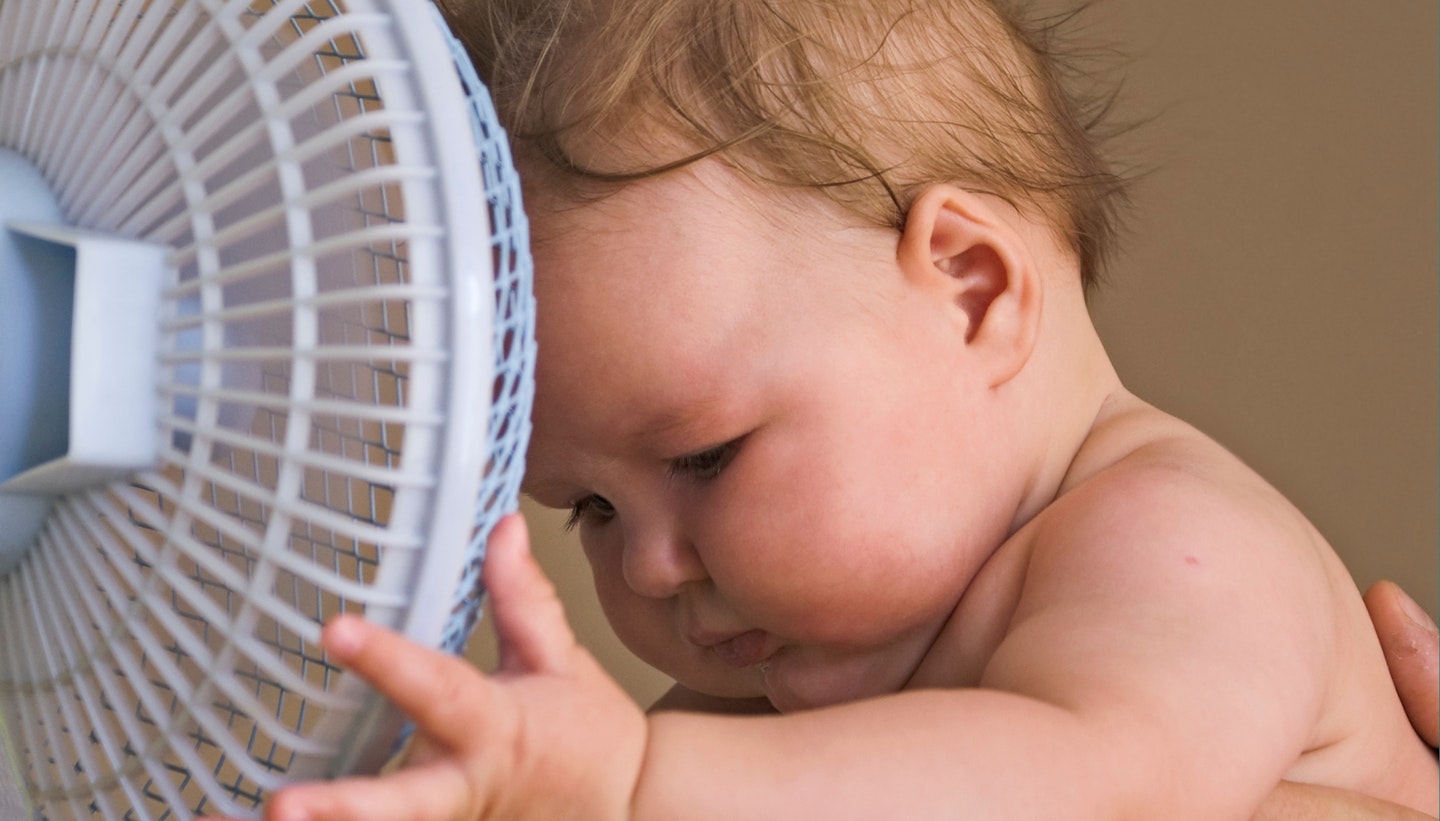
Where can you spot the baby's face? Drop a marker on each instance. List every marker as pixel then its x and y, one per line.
pixel 776 456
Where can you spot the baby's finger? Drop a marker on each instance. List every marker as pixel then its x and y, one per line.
pixel 442 694
pixel 529 619
pixel 436 791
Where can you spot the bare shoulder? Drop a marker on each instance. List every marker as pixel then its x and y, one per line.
pixel 1160 525
pixel 1168 561
pixel 1151 494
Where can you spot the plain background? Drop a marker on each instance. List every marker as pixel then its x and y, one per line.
pixel 1278 287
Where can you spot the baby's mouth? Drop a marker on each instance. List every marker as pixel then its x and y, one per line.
pixel 745 650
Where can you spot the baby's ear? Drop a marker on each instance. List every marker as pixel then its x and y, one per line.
pixel 956 246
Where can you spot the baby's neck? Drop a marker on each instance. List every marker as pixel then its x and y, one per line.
pixel 1071 388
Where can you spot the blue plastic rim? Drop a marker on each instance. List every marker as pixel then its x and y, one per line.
pixel 513 342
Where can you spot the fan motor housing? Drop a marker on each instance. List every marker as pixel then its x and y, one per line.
pixel 78 361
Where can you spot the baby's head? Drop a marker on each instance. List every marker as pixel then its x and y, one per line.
pixel 799 364
pixel 865 101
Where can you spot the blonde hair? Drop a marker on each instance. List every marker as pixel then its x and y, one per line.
pixel 864 100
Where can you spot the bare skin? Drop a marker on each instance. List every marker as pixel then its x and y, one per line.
pixel 437 776
pixel 1408 637
pixel 1411 643
pixel 1088 607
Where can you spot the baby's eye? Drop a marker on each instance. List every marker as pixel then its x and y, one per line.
pixel 589 506
pixel 706 464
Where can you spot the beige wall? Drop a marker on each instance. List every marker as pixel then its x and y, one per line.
pixel 1279 288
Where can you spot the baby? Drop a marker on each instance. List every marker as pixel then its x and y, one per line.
pixel 819 385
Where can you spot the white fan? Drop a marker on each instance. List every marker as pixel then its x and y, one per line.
pixel 257 351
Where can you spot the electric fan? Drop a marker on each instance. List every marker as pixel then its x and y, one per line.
pixel 261 362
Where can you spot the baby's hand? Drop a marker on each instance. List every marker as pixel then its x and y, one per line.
pixel 548 735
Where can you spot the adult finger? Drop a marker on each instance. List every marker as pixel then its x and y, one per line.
pixel 442 694
pixel 529 619
pixel 436 791
pixel 1412 649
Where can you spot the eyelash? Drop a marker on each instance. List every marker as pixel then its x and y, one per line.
pixel 705 465
pixel 585 507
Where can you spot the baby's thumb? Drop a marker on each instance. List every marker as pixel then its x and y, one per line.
pixel 529 619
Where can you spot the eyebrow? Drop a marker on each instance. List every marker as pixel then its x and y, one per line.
pixel 671 428
pixel 678 421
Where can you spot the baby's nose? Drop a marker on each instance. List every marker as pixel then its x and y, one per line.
pixel 659 561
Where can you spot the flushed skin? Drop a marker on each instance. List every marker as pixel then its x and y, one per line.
pixel 1136 625
pixel 841 443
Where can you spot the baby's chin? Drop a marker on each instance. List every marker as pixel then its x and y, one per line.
pixel 793 683
pixel 792 679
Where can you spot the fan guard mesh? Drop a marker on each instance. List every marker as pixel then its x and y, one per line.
pixel 159 646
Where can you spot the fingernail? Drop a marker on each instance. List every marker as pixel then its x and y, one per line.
pixel 516 522
pixel 1417 614
pixel 521 536
pixel 343 636
pixel 293 814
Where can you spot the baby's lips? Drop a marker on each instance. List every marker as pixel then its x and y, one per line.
pixel 745 650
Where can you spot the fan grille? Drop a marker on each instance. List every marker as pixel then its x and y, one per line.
pixel 159 647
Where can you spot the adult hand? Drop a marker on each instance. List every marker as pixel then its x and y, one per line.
pixel 548 735
pixel 1412 649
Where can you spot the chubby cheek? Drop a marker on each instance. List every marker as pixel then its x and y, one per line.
pixel 832 555
pixel 848 587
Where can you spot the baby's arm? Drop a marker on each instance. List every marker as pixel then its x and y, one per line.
pixel 1160 662
pixel 1411 643
pixel 550 736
